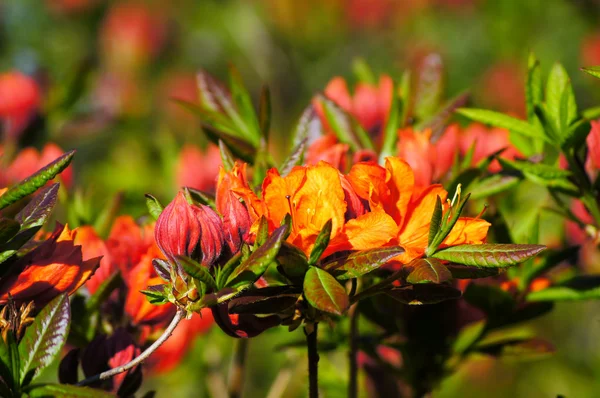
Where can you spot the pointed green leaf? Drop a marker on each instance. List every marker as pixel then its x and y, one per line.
pixel 239 147
pixel 197 271
pixel 360 263
pixel 249 123
pixel 448 222
pixel 489 255
pixel 45 337
pixel 103 292
pixel 293 263
pixel 345 127
pixel 533 87
pixel 309 127
pixel 439 121
pixel 559 90
pixel 213 94
pixel 154 206
pixel 501 120
pixel 390 131
pixel 320 243
pixel 427 270
pixel 258 262
pixel 262 233
pixel 592 70
pixel 492 185
pixel 543 174
pixel 226 156
pixel 8 379
pixel 436 220
pixel 324 292
pixel 36 180
pixel 294 159
pixel 156 294
pixel 223 273
pixel 578 288
pixel 67 391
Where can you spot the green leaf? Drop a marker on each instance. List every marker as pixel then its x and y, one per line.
pixel 105 219
pixel 258 262
pixel 223 272
pixel 197 271
pixel 320 243
pixel 520 349
pixel 268 300
pixel 345 127
pixel 489 255
pixel 427 270
pixel 309 127
pixel 429 87
pixel 67 391
pixel 504 121
pixel 592 70
pixel 238 146
pixel 578 288
pixel 226 156
pixel 360 263
pixel 448 222
pixel 156 294
pixel 468 336
pixel 249 123
pixel 436 220
pixel 45 337
pixel 293 263
pixel 36 180
pixel 154 206
pixel 533 87
pixel 262 233
pixel 213 94
pixel 8 379
pixel 560 100
pixel 492 185
pixel 543 174
pixel 294 159
pixel 325 293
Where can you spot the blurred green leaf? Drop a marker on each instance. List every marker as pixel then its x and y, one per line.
pixel 578 288
pixel 427 270
pixel 154 206
pixel 429 87
pixel 362 262
pixel 66 390
pixel 504 121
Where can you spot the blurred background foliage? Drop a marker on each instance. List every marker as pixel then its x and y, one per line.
pixel 108 71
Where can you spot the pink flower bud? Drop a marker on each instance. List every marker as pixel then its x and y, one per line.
pixel 185 229
pixel 236 220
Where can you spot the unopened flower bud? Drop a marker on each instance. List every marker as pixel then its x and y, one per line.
pixel 195 231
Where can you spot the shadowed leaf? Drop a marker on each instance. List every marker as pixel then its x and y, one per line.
pixel 8 229
pixel 154 206
pixel 489 255
pixel 362 262
pixel 490 299
pixel 582 287
pixel 294 159
pixel 66 390
pixel 460 271
pixel 325 293
pixel 197 271
pixel 423 294
pixel 258 262
pixel 436 220
pixel 45 337
pixel 269 300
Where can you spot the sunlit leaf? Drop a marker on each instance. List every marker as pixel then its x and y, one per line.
pixel 533 87
pixel 320 243
pixel 197 271
pixel 44 338
pixel 489 255
pixel 324 292
pixel 154 206
pixel 36 180
pixel 501 120
pixel 592 70
pixel 360 263
pixel 578 288
pixel 436 220
pixel 66 390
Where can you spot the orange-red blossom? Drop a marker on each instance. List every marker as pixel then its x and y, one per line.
pixel 371 207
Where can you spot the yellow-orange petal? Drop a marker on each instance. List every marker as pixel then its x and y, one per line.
pixel 467 231
pixel 400 181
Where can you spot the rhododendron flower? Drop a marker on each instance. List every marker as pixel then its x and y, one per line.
pixel 137 306
pixel 195 231
pixel 487 141
pixel 429 161
pixel 93 246
pixel 328 149
pixel 30 160
pixel 56 266
pixel 370 104
pixel 127 243
pixel 236 219
pixel 313 195
pixel 392 191
pixel 19 99
pixel 131 35
pixel 198 169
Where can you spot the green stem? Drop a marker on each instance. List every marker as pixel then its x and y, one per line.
pixel 237 370
pixel 353 360
pixel 313 361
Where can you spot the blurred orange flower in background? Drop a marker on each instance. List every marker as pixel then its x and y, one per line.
pixel 56 266
pixel 20 98
pixel 198 169
pixel 487 141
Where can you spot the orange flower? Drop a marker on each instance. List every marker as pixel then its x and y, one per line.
pixel 127 243
pixel 313 195
pixel 93 246
pixel 56 266
pixel 429 161
pixel 392 191
pixel 30 160
pixel 486 141
pixel 198 169
pixel 328 149
pixel 136 304
pixel 19 99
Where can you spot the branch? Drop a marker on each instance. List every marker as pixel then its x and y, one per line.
pixel 142 357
